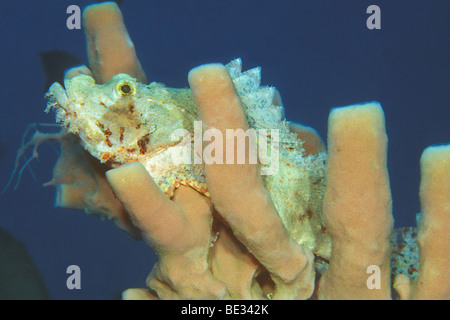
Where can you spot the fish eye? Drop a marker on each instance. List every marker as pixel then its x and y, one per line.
pixel 126 89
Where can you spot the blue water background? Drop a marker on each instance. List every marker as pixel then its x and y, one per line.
pixel 319 54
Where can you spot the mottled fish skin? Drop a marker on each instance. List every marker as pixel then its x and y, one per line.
pixel 124 120
pixel 405 252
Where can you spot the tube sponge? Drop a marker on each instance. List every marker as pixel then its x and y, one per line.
pixel 244 202
pixel 357 205
pixel 433 281
pixel 110 49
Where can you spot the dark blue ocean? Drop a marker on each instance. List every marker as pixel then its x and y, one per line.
pixel 319 54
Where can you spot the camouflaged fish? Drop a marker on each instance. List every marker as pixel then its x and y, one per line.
pixel 124 120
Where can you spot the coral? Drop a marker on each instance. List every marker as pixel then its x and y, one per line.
pixel 19 276
pixel 224 231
